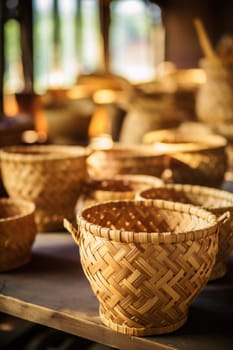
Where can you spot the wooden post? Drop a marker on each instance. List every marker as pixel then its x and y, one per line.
pixel 26 29
pixel 104 12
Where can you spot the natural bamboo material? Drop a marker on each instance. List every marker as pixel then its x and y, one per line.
pixel 124 186
pixel 191 158
pixel 146 261
pixel 215 200
pixel 50 175
pixel 122 159
pixel 17 232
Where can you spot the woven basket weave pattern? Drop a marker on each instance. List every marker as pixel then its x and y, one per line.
pixel 192 158
pixel 120 187
pixel 130 273
pixel 204 168
pixel 124 161
pixel 37 178
pixel 17 233
pixel 146 262
pixel 215 200
pixel 53 183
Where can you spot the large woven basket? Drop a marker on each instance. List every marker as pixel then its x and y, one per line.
pixel 120 187
pixel 17 232
pixel 215 200
pixel 146 261
pixel 191 158
pixel 49 175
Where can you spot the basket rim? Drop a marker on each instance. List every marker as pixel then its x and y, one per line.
pixel 18 202
pixel 138 178
pixel 195 189
pixel 127 151
pixel 94 185
pixel 211 140
pixel 124 236
pixel 47 152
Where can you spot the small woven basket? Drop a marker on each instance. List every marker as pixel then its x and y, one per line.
pixel 17 232
pixel 191 158
pixel 119 187
pixel 50 175
pixel 146 261
pixel 121 159
pixel 214 200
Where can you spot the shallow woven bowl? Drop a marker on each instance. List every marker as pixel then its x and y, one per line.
pixel 17 232
pixel 120 187
pixel 215 200
pixel 50 175
pixel 191 158
pixel 146 261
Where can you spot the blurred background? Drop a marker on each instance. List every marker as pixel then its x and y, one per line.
pixel 56 54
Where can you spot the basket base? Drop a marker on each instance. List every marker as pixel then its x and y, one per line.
pixel 142 331
pixel 219 271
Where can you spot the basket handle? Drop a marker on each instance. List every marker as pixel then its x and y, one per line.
pixel 222 219
pixel 73 230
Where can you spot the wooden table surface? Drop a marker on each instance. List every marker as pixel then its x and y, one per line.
pixel 52 290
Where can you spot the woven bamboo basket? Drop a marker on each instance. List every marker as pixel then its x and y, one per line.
pixel 17 232
pixel 146 261
pixel 192 158
pixel 215 200
pixel 120 187
pixel 50 175
pixel 121 159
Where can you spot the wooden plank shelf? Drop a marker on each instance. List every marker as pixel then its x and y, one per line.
pixel 53 291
